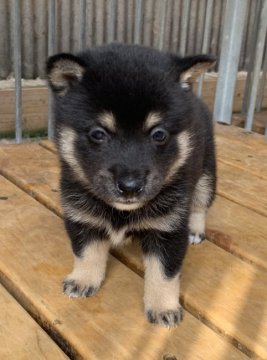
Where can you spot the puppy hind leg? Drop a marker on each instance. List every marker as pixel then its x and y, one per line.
pixel 202 199
pixel 197 222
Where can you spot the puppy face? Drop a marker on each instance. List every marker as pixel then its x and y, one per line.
pixel 123 120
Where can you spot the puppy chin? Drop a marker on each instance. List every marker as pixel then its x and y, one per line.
pixel 127 206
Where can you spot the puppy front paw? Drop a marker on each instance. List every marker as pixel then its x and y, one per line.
pixel 196 238
pixel 76 289
pixel 169 318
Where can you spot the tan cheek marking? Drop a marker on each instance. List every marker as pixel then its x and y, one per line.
pixel 152 120
pixel 90 268
pixel 161 293
pixel 107 120
pixel 67 151
pixel 183 143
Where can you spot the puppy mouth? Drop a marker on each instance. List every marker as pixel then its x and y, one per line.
pixel 127 205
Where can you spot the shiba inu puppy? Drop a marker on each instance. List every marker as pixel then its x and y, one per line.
pixel 137 159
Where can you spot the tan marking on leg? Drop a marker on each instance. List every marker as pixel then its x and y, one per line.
pixel 67 151
pixel 184 146
pixel 152 120
pixel 197 222
pixel 202 193
pixel 107 120
pixel 200 203
pixel 161 294
pixel 88 270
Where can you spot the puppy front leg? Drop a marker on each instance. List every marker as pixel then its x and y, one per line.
pixel 163 255
pixel 90 259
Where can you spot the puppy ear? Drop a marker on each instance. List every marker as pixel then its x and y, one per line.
pixel 64 71
pixel 191 67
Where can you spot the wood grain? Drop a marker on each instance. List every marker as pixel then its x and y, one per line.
pixel 222 290
pixel 242 187
pixel 20 336
pixel 34 108
pixel 230 233
pixel 35 256
pixel 243 156
pixel 235 134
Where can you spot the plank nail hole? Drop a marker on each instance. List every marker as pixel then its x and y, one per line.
pixel 3 197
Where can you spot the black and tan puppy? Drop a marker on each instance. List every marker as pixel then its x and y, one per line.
pixel 137 158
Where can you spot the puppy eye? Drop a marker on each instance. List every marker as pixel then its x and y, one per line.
pixel 159 136
pixel 98 135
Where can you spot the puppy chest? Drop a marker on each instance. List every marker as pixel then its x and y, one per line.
pixel 118 237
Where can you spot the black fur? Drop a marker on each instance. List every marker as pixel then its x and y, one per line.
pixel 131 82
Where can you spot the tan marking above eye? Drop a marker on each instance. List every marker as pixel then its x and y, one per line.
pixel 107 120
pixel 153 119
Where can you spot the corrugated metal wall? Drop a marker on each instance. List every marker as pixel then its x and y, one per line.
pixel 109 20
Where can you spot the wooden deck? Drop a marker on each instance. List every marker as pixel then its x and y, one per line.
pixel 224 283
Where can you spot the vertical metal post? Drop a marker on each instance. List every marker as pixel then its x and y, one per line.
pixel 252 49
pixel 111 20
pixel 184 27
pixel 257 65
pixel 235 12
pixel 206 38
pixel 82 24
pixel 17 67
pixel 262 82
pixel 51 51
pixel 163 14
pixel 137 21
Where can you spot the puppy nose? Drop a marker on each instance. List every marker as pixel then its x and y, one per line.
pixel 130 186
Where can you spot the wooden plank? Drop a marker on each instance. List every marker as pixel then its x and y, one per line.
pixel 108 324
pixel 219 230
pixel 35 98
pixel 34 108
pixel 238 230
pixel 249 158
pixel 20 336
pixel 223 291
pixel 259 121
pixel 242 187
pixel 233 133
pixel 39 169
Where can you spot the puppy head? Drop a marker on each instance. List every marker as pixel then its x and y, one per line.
pixel 123 116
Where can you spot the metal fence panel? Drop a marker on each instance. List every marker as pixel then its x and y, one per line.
pixel 180 29
pixel 36 28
